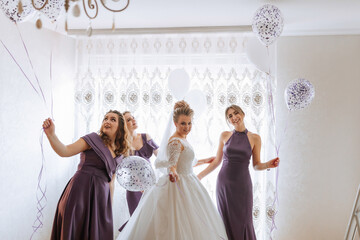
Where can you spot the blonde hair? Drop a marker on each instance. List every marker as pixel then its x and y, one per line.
pixel 126 112
pixel 235 108
pixel 182 108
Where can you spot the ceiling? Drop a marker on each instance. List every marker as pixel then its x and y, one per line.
pixel 301 17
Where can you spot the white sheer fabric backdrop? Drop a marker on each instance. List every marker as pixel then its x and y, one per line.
pixel 130 73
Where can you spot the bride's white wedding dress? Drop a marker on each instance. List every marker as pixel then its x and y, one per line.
pixel 176 211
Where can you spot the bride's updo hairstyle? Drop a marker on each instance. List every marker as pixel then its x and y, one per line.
pixel 182 108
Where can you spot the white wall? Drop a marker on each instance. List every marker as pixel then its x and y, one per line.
pixel 21 116
pixel 320 154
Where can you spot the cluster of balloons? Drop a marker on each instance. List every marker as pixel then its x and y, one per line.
pixel 267 26
pixel 23 10
pixel 298 94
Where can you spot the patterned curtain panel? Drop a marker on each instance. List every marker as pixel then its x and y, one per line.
pixel 131 72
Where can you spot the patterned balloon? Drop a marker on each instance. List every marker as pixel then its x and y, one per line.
pixel 268 24
pixel 298 94
pixel 52 9
pixel 135 174
pixel 10 8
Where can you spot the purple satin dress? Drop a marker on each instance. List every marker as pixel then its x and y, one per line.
pixel 234 188
pixel 84 210
pixel 133 198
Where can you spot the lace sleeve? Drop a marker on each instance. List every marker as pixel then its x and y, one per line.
pixel 173 152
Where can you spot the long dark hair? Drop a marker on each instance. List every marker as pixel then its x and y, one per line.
pixel 122 138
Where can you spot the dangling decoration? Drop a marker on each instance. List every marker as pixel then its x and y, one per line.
pixel 113 27
pixel 66 25
pixel 67 13
pixel 113 24
pixel 20 7
pixel 76 10
pixel 38 23
pixel 67 5
pixel 89 31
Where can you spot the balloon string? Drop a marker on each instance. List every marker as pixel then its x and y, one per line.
pixel 271 106
pixel 276 199
pixel 268 53
pixel 40 192
pixel 283 134
pixel 51 77
pixel 16 62
pixel 32 66
pixel 277 146
pixel 183 195
pixel 51 92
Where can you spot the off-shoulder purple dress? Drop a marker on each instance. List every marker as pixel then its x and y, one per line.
pixel 146 151
pixel 234 188
pixel 84 210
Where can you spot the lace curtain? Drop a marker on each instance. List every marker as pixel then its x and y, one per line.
pixel 130 73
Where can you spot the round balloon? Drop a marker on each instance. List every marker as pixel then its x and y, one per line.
pixel 10 8
pixel 259 55
pixel 197 101
pixel 268 24
pixel 135 174
pixel 179 83
pixel 52 9
pixel 298 94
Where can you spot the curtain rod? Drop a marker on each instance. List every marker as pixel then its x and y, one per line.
pixel 168 30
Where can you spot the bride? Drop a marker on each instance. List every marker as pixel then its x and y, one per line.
pixel 178 207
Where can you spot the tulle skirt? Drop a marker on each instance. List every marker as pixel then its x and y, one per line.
pixel 177 211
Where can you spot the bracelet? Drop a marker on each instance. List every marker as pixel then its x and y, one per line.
pixel 267 169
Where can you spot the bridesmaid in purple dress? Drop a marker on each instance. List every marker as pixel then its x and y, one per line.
pixel 144 147
pixel 234 187
pixel 84 210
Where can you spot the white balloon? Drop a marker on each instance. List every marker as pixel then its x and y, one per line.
pixel 259 55
pixel 179 83
pixel 134 173
pixel 298 94
pixel 10 8
pixel 197 101
pixel 268 24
